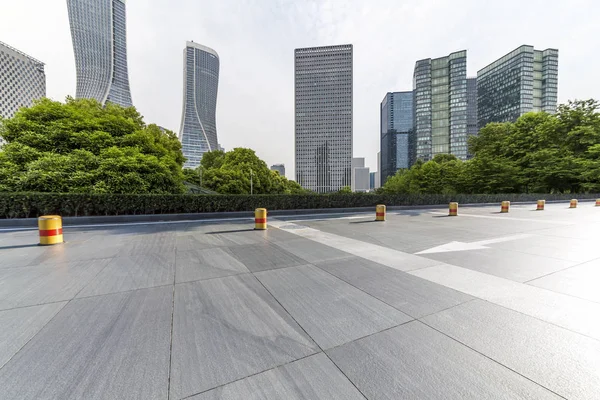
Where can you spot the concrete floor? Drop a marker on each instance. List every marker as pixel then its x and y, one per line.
pixel 423 306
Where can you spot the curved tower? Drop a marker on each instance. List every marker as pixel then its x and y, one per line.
pixel 98 29
pixel 198 133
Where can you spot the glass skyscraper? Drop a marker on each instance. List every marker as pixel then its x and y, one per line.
pixel 323 121
pixel 440 107
pixel 522 81
pixel 472 129
pixel 396 124
pixel 198 132
pixel 98 30
pixel 22 80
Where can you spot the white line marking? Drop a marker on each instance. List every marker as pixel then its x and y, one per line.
pixel 462 246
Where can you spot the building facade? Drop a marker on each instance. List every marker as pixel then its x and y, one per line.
pixel 361 175
pixel 440 107
pixel 472 128
pixel 22 80
pixel 198 132
pixel 279 168
pixel 323 120
pixel 522 81
pixel 99 33
pixel 396 123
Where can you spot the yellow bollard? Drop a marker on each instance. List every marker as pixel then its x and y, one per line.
pixel 597 202
pixel 453 210
pixel 50 227
pixel 260 219
pixel 380 213
pixel 573 203
pixel 541 204
pixel 505 207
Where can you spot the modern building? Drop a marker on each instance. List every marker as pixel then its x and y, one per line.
pixel 198 132
pixel 522 81
pixel 378 182
pixel 279 168
pixel 323 120
pixel 22 80
pixel 361 176
pixel 440 107
pixel 472 129
pixel 372 180
pixel 396 122
pixel 99 33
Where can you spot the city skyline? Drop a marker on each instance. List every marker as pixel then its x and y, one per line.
pixel 99 35
pixel 198 131
pixel 255 47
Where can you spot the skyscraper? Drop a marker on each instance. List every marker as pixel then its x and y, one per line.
pixel 22 80
pixel 440 106
pixel 198 133
pixel 522 81
pixel 323 121
pixel 396 124
pixel 472 129
pixel 98 29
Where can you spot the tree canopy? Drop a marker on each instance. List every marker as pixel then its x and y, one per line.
pixel 539 153
pixel 80 146
pixel 229 173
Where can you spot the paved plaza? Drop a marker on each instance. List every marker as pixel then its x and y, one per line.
pixel 423 306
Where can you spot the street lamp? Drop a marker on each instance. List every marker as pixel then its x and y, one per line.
pixel 251 184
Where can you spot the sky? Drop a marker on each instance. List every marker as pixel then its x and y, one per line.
pixel 255 40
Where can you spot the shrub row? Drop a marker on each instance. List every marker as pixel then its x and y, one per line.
pixel 30 205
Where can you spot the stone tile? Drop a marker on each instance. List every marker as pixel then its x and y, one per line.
pixel 331 311
pixel 132 272
pixel 200 241
pixel 312 251
pixel 28 286
pixel 226 329
pixel 511 265
pixel 265 256
pixel 161 243
pixel 559 309
pixel 206 264
pixel 579 281
pixel 314 377
pixel 563 361
pixel 11 257
pixel 105 347
pixel 414 296
pixel 413 361
pixel 21 324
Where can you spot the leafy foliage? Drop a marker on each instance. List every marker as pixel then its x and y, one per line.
pixel 230 173
pixel 539 153
pixel 80 146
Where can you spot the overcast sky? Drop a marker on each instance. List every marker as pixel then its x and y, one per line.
pixel 255 40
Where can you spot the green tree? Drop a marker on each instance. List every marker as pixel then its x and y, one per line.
pixel 80 146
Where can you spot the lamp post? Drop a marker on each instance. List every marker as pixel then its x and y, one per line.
pixel 251 184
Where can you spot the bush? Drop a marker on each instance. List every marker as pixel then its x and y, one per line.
pixel 30 205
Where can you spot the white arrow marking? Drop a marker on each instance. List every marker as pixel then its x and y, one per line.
pixel 461 246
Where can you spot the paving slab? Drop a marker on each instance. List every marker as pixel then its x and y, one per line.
pixel 265 256
pixel 314 377
pixel 558 359
pixel 579 281
pixel 513 265
pixel 206 264
pixel 312 251
pixel 330 310
pixel 21 324
pixel 414 296
pixel 105 347
pixel 137 271
pixel 29 286
pixel 414 361
pixel 562 310
pixel 161 243
pixel 229 328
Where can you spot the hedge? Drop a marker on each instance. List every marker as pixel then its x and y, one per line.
pixel 29 205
